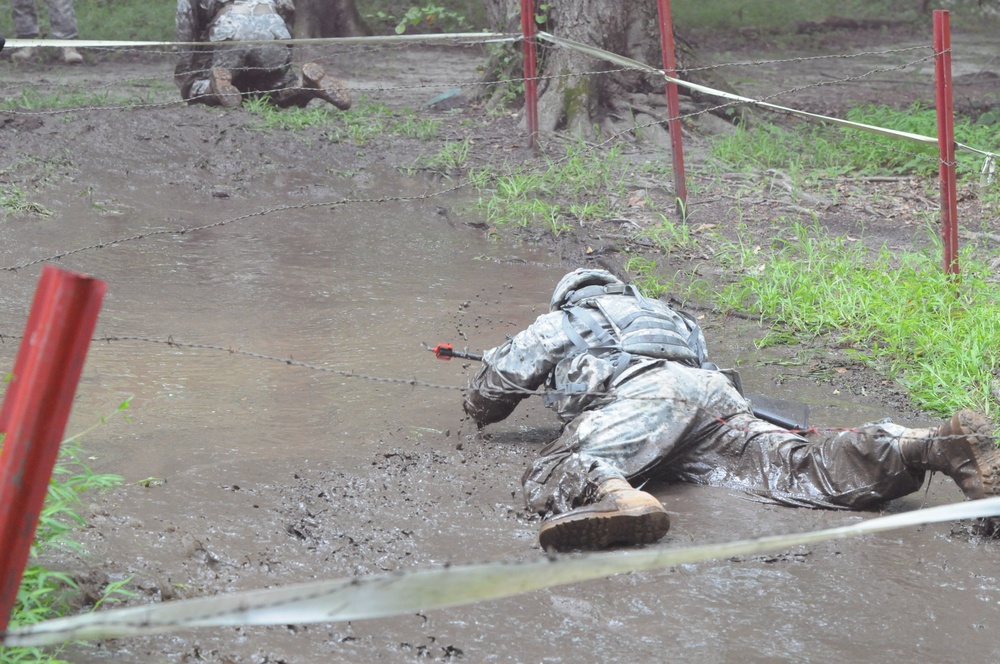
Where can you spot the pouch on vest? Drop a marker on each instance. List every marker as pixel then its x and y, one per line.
pixel 577 383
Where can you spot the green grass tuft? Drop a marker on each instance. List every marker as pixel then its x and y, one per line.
pixel 581 187
pixel 43 593
pixel 897 311
pixel 830 150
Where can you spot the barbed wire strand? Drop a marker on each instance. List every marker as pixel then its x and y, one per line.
pixel 416 382
pixel 462 184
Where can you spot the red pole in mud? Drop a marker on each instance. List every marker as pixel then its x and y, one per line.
pixel 35 409
pixel 673 104
pixel 946 139
pixel 530 73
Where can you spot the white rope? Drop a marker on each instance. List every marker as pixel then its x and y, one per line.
pixel 472 37
pixel 412 591
pixel 629 62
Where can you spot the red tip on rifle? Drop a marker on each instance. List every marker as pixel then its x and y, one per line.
pixel 443 351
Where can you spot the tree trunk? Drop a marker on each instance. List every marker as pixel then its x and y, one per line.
pixel 577 93
pixel 328 18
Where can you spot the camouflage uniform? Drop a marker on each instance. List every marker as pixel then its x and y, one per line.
pixel 673 420
pixel 61 17
pixel 257 68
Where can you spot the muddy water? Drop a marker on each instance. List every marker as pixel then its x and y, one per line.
pixel 278 474
pixel 346 289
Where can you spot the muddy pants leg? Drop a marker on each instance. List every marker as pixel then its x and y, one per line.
pixel 274 74
pixel 562 479
pixel 854 469
pixel 236 59
pixel 63 19
pixel 25 18
pixel 687 425
pixel 652 420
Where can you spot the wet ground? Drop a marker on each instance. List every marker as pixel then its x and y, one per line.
pixel 296 428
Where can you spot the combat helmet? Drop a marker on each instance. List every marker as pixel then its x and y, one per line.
pixel 578 279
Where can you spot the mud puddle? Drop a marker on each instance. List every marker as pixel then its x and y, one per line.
pixel 344 289
pixel 276 474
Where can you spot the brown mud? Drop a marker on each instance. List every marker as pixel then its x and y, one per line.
pixel 339 448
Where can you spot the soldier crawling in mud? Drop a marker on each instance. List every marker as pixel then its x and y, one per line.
pixel 630 378
pixel 222 75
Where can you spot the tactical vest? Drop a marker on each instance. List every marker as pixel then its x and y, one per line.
pixel 639 329
pixel 640 326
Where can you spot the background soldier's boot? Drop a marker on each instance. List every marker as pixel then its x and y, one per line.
pixel 220 86
pixel 963 449
pixel 621 515
pixel 324 86
pixel 71 56
pixel 23 54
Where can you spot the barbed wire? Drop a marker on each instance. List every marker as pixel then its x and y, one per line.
pixel 613 138
pixel 523 168
pixel 782 61
pixel 232 220
pixel 509 389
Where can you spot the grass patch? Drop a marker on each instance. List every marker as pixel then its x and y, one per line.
pixel 367 120
pixel 15 201
pixel 805 149
pixel 394 16
pixel 899 313
pixel 581 187
pixel 871 153
pixel 781 16
pixel 453 156
pixel 43 593
pixel 364 121
pixel 831 151
pixel 270 117
pixel 30 99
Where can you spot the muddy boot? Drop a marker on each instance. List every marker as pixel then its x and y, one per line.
pixel 962 448
pixel 71 56
pixel 23 54
pixel 320 84
pixel 222 90
pixel 621 515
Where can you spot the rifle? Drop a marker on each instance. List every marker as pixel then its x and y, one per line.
pixel 791 415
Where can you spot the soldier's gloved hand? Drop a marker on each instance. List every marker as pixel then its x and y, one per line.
pixel 471 406
pixel 487 411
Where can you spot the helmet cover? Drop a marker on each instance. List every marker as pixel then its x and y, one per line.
pixel 577 279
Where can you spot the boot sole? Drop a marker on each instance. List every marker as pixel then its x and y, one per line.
pixel 593 531
pixel 327 87
pixel 979 432
pixel 227 94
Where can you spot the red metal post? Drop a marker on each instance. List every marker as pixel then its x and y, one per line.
pixel 42 291
pixel 530 73
pixel 673 103
pixel 946 139
pixel 36 408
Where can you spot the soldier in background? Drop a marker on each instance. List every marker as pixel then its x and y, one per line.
pixel 62 19
pixel 223 75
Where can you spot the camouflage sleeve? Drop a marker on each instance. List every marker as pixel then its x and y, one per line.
pixel 188 27
pixel 192 61
pixel 188 30
pixel 486 400
pixel 512 371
